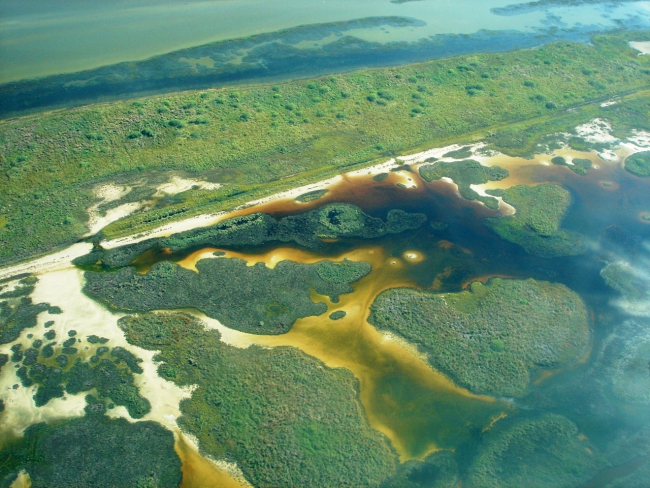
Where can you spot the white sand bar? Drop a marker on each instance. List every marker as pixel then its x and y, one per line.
pixel 642 47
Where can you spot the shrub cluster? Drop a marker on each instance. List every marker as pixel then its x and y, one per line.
pixel 253 299
pixel 490 337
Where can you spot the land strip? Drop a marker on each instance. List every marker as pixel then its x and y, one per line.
pixel 263 140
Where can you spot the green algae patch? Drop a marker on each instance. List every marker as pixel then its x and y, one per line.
pixel 93 451
pixel 489 338
pixel 544 452
pixel 285 418
pixel 638 164
pixel 464 174
pixel 253 299
pixel 536 224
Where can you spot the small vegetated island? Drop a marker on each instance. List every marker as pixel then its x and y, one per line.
pixel 544 452
pixel 536 224
pixel 464 174
pixel 639 164
pixel 578 165
pixel 253 299
pixel 490 337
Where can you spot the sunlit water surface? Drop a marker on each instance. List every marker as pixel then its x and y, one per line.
pixel 43 37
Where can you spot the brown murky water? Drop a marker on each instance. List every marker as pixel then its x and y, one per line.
pixel 419 409
pixel 199 472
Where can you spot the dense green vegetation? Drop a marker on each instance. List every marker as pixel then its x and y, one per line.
pixel 286 419
pixel 263 139
pixel 490 337
pixel 464 174
pixel 578 165
pixel 544 452
pixel 307 229
pixel 253 299
pixel 59 369
pixel 24 287
pixel 639 164
pixel 93 451
pixel 535 226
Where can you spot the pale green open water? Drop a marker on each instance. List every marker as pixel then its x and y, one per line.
pixel 43 37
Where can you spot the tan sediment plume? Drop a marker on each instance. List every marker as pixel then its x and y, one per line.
pixel 419 409
pixel 544 374
pixel 201 472
pixel 495 420
pixel 22 481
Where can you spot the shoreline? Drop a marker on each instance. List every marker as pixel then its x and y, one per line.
pixel 596 131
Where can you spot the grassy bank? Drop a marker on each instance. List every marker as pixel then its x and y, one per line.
pixel 261 140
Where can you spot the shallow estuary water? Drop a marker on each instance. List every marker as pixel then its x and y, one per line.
pixel 419 409
pixel 43 37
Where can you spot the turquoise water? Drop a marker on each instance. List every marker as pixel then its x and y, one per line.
pixel 43 37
